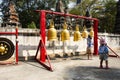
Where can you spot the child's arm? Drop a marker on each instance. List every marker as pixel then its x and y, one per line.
pixel 100 50
pixel 106 50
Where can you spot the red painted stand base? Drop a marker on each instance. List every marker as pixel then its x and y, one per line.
pixel 48 67
pixel 112 56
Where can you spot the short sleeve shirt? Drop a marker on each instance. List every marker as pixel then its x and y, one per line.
pixel 103 50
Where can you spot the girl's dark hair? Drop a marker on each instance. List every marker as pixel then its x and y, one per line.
pixel 102 44
pixel 89 37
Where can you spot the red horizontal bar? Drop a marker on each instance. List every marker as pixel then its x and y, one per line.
pixel 8 33
pixel 63 14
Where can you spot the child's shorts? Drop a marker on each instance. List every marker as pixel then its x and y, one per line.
pixel 89 51
pixel 103 56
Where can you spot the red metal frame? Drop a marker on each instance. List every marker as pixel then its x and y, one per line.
pixel 41 45
pixel 16 34
pixel 43 33
pixel 43 27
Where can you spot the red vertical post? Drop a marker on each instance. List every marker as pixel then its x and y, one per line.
pixel 42 35
pixel 16 45
pixel 95 37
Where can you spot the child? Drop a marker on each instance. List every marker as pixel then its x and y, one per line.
pixel 89 45
pixel 103 53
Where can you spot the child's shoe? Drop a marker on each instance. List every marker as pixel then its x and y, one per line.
pixel 101 66
pixel 106 67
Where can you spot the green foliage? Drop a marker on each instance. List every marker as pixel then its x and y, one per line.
pixel 26 9
pixel 32 25
pixel 104 10
pixel 109 12
pixel 74 11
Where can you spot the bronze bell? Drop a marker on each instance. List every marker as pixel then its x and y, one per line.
pixel 52 33
pixel 65 35
pixel 84 33
pixel 91 32
pixel 77 35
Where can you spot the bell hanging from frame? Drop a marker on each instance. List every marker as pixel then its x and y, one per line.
pixel 77 35
pixel 84 33
pixel 91 32
pixel 52 33
pixel 65 35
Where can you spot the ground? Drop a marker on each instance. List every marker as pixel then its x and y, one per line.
pixel 72 68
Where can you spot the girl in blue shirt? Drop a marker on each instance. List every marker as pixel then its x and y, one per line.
pixel 103 54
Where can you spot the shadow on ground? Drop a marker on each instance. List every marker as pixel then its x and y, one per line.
pixel 93 73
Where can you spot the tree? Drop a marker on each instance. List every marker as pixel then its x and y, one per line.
pixel 26 9
pixel 107 21
pixel 85 7
pixel 81 8
pixel 104 10
pixel 10 16
pixel 32 25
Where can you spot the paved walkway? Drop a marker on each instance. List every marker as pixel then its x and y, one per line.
pixel 74 68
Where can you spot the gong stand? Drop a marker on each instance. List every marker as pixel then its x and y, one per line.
pixel 7 47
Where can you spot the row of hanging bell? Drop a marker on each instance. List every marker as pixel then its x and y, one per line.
pixel 77 34
pixel 85 32
pixel 52 33
pixel 65 35
pixel 91 32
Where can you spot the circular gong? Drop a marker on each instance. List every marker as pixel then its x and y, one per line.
pixel 6 48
